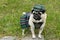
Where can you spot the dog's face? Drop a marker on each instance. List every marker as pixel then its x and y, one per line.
pixel 37 14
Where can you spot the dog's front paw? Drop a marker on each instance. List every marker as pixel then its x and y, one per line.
pixel 39 36
pixel 33 36
pixel 23 34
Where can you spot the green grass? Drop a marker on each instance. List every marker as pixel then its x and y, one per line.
pixel 11 10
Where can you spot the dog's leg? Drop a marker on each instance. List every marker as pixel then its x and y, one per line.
pixel 23 30
pixel 41 29
pixel 42 26
pixel 32 29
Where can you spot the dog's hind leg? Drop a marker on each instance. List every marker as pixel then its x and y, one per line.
pixel 23 30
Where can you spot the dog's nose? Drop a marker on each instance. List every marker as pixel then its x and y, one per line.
pixel 36 13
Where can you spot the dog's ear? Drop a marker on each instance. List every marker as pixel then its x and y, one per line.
pixel 32 11
pixel 43 11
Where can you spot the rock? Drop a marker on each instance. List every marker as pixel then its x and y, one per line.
pixel 8 38
pixel 30 38
pixel 23 38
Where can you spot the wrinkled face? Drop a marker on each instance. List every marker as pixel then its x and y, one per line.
pixel 37 15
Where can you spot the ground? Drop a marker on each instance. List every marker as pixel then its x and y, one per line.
pixel 11 10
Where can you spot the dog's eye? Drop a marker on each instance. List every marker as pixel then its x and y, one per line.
pixel 34 12
pixel 40 12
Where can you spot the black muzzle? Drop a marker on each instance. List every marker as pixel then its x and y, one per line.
pixel 36 16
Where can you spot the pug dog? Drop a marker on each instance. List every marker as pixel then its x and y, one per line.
pixel 37 17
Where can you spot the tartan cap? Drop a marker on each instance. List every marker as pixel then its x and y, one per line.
pixel 38 8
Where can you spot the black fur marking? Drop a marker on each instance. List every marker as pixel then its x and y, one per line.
pixel 36 16
pixel 38 25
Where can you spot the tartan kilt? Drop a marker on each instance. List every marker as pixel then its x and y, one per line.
pixel 24 21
